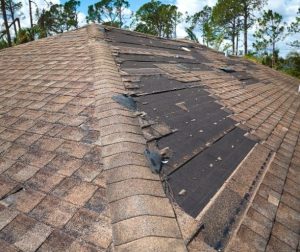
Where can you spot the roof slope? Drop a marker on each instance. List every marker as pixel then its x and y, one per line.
pixel 74 176
pixel 231 130
pixel 53 194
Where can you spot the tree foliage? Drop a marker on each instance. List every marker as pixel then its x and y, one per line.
pixel 248 8
pixel 24 35
pixel 191 35
pixel 292 65
pixel 110 12
pixel 226 14
pixel 158 19
pixel 294 28
pixel 200 21
pixel 59 18
pixel 270 31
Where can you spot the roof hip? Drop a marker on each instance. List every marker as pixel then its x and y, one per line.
pixel 142 216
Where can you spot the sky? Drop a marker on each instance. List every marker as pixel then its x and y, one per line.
pixel 287 8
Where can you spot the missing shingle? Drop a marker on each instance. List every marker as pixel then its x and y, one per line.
pixel 126 101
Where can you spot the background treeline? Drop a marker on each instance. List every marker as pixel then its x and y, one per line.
pixel 222 27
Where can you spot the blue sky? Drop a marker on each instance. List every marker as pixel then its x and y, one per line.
pixel 134 5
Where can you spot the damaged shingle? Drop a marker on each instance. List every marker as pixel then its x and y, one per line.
pixel 227 70
pixel 126 101
pixel 155 160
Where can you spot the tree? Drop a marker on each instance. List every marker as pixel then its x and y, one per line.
pixel 270 31
pixel 226 14
pixel 149 18
pixel 177 20
pixel 59 18
pixel 294 28
pixel 200 21
pixel 293 64
pixel 12 7
pixel 110 12
pixel 24 36
pixel 30 13
pixel 191 35
pixel 158 19
pixel 248 7
pixel 3 9
pixel 212 34
pixel 120 6
pixel 44 22
pixel 70 14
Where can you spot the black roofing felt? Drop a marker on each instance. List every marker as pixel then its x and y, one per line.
pixel 205 144
pixel 202 176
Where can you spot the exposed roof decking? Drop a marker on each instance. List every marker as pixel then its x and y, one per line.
pixel 204 142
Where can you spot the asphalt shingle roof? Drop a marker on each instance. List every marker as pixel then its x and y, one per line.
pixel 53 194
pixel 74 176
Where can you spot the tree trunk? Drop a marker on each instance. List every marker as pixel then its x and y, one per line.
pixel 245 33
pixel 5 22
pixel 30 14
pixel 273 46
pixel 233 43
pixel 273 54
pixel 233 36
pixel 237 43
pixel 76 18
pixel 12 13
pixel 120 16
pixel 175 27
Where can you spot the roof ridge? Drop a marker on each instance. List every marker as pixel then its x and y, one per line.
pixel 42 39
pixel 130 212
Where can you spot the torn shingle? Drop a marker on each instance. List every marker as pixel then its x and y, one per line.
pixel 155 160
pixel 126 101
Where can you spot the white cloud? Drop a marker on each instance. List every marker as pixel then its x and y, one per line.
pixel 81 19
pixel 193 6
pixel 190 7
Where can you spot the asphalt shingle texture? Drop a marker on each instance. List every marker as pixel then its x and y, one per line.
pixel 53 194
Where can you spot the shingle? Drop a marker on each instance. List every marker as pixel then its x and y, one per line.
pixel 59 122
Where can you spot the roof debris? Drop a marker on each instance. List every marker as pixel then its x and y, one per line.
pixel 182 105
pixel 182 192
pixel 185 49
